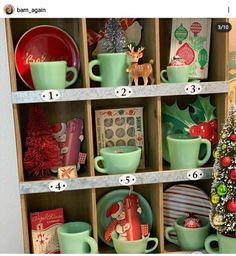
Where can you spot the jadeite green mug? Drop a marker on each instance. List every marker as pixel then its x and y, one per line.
pixel 184 151
pixel 226 244
pixel 118 159
pixel 74 237
pixel 51 75
pixel 188 239
pixel 112 67
pixel 176 74
pixel 136 246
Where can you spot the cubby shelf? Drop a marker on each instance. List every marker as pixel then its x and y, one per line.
pixel 101 93
pixel 31 187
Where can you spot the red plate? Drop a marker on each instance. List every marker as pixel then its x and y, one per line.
pixel 44 43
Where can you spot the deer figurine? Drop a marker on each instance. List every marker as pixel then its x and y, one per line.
pixel 135 70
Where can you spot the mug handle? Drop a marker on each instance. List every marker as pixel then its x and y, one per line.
pixel 154 246
pixel 99 169
pixel 208 241
pixel 208 152
pixel 92 244
pixel 91 74
pixel 162 76
pixel 167 236
pixel 75 72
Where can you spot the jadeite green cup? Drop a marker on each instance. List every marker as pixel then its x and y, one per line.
pixel 74 237
pixel 112 67
pixel 176 74
pixel 184 151
pixel 51 75
pixel 188 239
pixel 118 159
pixel 136 246
pixel 225 244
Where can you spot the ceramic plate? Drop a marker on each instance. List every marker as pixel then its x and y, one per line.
pixel 114 196
pixel 44 43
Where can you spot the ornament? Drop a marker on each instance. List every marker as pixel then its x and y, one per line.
pixel 232 174
pixel 222 189
pixel 224 147
pixel 216 153
pixel 195 28
pixel 192 221
pixel 233 136
pixel 202 58
pixel 181 33
pixel 218 220
pixel 225 161
pixel 215 198
pixel 187 53
pixel 231 205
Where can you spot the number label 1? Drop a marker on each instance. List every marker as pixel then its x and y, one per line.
pixel 57 185
pixel 195 174
pixel 123 91
pixel 193 88
pixel 50 95
pixel 127 179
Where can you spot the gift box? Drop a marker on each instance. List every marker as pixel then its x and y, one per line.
pixel 190 40
pixel 123 126
pixel 44 226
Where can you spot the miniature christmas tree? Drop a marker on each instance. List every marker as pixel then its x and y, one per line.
pixel 42 151
pixel 223 191
pixel 114 39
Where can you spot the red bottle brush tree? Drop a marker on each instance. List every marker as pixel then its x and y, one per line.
pixel 42 150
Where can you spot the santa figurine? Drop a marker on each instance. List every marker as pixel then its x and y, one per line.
pixel 119 223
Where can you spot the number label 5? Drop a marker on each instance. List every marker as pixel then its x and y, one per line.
pixel 57 185
pixel 195 174
pixel 50 95
pixel 193 88
pixel 127 179
pixel 123 91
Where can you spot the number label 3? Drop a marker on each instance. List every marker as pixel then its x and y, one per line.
pixel 123 91
pixel 127 179
pixel 57 185
pixel 193 88
pixel 195 174
pixel 50 95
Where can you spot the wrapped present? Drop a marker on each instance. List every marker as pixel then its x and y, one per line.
pixel 67 172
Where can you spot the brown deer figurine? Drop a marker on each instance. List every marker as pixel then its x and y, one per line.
pixel 135 70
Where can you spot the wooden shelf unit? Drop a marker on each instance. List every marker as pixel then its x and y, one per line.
pixel 86 96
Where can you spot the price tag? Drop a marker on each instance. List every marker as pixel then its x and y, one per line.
pixel 193 88
pixel 123 91
pixel 50 95
pixel 57 185
pixel 127 179
pixel 195 174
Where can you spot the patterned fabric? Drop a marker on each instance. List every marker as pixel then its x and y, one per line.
pixel 82 157
pixel 112 227
pixel 144 229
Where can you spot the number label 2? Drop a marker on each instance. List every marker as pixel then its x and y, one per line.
pixel 127 180
pixel 57 185
pixel 195 174
pixel 193 88
pixel 123 91
pixel 50 95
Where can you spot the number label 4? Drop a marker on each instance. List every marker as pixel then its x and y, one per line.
pixel 57 185
pixel 193 88
pixel 127 180
pixel 50 95
pixel 123 91
pixel 195 174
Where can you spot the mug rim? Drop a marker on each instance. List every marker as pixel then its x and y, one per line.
pixel 111 53
pixel 89 229
pixel 136 149
pixel 200 217
pixel 185 137
pixel 47 62
pixel 176 66
pixel 133 241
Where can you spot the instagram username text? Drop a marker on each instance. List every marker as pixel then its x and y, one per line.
pixel 31 10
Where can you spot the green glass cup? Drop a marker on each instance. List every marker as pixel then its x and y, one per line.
pixel 188 239
pixel 226 244
pixel 112 67
pixel 184 151
pixel 136 246
pixel 51 75
pixel 118 159
pixel 175 74
pixel 74 237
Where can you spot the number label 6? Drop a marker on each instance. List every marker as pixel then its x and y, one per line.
pixel 195 174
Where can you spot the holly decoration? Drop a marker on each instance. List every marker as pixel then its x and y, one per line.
pixel 42 151
pixel 223 189
pixel 181 33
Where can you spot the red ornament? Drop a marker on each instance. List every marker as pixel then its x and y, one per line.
pixel 192 221
pixel 206 130
pixel 233 136
pixel 195 28
pixel 187 53
pixel 225 161
pixel 231 205
pixel 194 130
pixel 232 174
pixel 213 123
